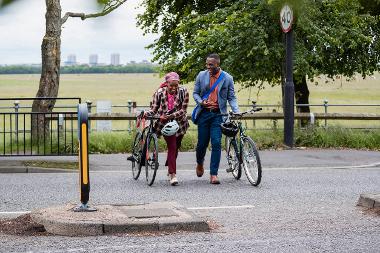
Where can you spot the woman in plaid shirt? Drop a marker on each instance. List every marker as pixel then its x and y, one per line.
pixel 171 97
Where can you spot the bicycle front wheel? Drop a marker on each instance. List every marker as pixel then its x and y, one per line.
pixel 151 159
pixel 234 165
pixel 251 161
pixel 137 149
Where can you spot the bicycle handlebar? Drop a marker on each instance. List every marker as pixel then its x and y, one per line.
pixel 239 114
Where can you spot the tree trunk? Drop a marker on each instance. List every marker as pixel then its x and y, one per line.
pixel 301 92
pixel 51 58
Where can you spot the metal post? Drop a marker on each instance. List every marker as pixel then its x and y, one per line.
pixel 254 121
pixel 274 121
pixel 83 159
pixel 289 93
pixel 129 111
pixel 17 106
pixel 89 105
pixel 325 104
pixel 134 106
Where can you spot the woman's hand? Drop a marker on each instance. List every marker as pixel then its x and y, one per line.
pixel 170 116
pixel 163 118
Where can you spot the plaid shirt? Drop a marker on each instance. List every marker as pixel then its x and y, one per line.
pixel 160 106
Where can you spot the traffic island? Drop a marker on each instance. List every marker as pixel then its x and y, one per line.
pixel 117 219
pixel 369 200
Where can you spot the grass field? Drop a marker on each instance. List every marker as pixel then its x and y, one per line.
pixel 119 88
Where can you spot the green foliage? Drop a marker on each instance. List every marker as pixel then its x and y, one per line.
pixel 371 7
pixel 317 137
pixel 5 2
pixel 331 37
pixel 81 69
pixel 338 137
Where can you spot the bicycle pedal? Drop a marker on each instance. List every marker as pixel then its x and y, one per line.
pixel 229 170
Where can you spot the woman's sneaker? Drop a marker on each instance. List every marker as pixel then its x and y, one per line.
pixel 173 179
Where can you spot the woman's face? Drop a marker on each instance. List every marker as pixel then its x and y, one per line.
pixel 173 86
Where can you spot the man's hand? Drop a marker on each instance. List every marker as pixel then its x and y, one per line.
pixel 204 103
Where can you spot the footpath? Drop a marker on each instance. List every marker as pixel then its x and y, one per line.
pixel 169 216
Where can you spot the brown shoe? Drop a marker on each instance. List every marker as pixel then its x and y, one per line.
pixel 200 170
pixel 214 180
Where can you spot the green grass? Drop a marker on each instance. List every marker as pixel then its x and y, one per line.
pixel 52 164
pixel 332 137
pixel 314 137
pixel 119 88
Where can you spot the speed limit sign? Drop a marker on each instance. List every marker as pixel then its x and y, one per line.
pixel 286 18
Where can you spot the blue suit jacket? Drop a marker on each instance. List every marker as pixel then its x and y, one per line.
pixel 226 90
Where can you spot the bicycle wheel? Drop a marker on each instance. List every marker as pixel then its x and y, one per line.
pixel 232 158
pixel 137 149
pixel 151 158
pixel 251 161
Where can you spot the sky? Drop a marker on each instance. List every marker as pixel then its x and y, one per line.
pixel 22 27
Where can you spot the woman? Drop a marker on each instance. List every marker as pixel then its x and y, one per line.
pixel 170 102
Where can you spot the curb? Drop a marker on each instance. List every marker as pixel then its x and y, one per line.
pixel 23 169
pixel 369 200
pixel 113 219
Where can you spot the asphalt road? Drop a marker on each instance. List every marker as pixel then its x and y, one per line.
pixel 303 205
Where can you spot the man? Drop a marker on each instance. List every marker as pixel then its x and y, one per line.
pixel 210 119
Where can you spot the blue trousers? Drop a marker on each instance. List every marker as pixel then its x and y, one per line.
pixel 209 128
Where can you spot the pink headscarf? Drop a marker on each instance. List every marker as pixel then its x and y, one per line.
pixel 171 76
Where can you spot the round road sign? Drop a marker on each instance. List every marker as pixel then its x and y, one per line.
pixel 286 18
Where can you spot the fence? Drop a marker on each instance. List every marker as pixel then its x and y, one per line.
pixel 26 133
pixel 19 136
pixel 59 127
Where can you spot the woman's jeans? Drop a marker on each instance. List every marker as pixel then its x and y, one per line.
pixel 174 143
pixel 209 128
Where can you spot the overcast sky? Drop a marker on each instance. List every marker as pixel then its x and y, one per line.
pixel 22 27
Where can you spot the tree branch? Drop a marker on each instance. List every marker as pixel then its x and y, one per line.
pixel 109 7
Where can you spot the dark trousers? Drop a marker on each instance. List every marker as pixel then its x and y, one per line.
pixel 209 128
pixel 174 143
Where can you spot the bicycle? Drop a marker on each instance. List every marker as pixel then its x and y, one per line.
pixel 145 150
pixel 241 150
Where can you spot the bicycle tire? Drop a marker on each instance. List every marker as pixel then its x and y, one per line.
pixel 234 165
pixel 137 149
pixel 151 159
pixel 251 161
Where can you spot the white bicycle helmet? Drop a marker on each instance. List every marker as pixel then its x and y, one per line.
pixel 170 128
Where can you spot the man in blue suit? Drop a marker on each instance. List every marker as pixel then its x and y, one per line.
pixel 209 119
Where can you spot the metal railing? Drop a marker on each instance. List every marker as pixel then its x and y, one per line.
pixel 19 135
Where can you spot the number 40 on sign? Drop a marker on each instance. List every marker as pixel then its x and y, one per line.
pixel 286 18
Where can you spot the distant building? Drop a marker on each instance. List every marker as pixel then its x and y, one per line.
pixel 145 62
pixel 71 60
pixel 93 60
pixel 115 59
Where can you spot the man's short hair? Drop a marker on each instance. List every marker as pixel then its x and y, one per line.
pixel 214 56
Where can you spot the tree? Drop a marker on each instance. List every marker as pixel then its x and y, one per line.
pixel 5 2
pixel 51 56
pixel 331 38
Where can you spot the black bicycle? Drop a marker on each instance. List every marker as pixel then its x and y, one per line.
pixel 241 149
pixel 145 149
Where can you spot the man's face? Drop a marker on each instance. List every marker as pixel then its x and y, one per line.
pixel 173 86
pixel 212 66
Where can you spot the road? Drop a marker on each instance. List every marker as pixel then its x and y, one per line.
pixel 306 204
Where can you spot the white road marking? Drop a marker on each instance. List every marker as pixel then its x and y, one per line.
pixel 220 207
pixel 14 213
pixel 373 166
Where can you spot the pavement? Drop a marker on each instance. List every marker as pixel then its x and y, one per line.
pixel 170 216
